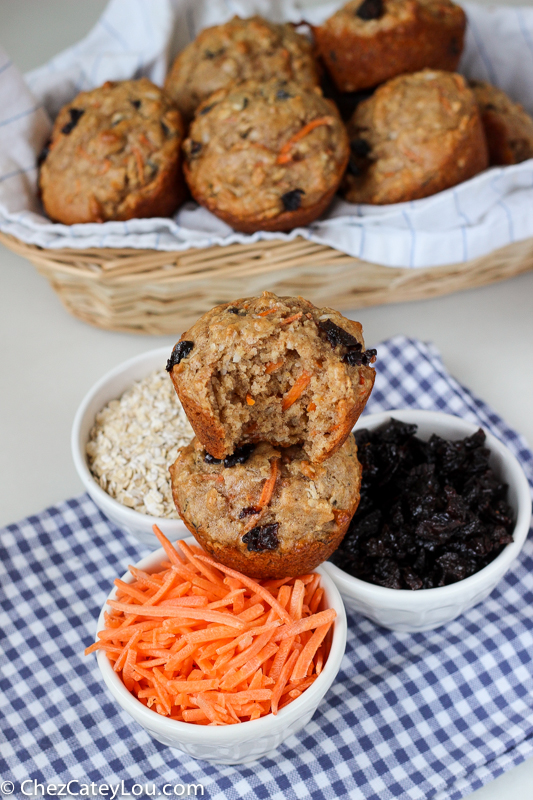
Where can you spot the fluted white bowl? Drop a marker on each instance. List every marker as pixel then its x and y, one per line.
pixel 110 387
pixel 247 741
pixel 425 609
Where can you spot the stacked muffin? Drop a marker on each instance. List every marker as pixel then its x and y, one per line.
pixel 272 388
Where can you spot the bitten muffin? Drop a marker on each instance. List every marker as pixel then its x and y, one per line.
pixel 508 128
pixel 273 369
pixel 417 135
pixel 367 42
pixel 239 50
pixel 269 513
pixel 266 156
pixel 115 153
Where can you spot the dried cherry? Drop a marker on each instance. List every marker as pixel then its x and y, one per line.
pixel 181 350
pixel 262 537
pixel 75 115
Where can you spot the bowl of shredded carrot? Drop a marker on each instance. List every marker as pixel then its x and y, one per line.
pixel 214 663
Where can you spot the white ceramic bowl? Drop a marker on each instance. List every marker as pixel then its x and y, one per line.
pixel 425 609
pixel 232 744
pixel 110 387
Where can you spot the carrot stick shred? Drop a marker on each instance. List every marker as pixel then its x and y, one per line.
pixel 306 656
pixel 282 680
pixel 305 624
pixel 170 550
pixel 294 317
pixel 269 484
pixel 273 366
pixel 285 156
pixel 296 390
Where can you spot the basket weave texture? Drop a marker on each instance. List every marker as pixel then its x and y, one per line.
pixel 155 292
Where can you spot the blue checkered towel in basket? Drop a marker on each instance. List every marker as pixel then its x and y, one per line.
pixel 427 715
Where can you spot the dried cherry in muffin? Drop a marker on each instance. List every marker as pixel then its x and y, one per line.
pixel 274 369
pixel 114 154
pixel 239 50
pixel 367 42
pixel 273 516
pixel 508 128
pixel 417 135
pixel 266 156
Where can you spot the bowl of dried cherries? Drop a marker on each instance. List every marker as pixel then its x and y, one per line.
pixel 445 509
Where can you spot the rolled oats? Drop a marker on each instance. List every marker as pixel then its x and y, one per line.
pixel 134 441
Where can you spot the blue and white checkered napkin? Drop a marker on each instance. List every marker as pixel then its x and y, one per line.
pixel 426 715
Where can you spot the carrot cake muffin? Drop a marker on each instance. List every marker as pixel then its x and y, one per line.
pixel 367 42
pixel 266 156
pixel 115 153
pixel 273 369
pixel 508 128
pixel 267 511
pixel 239 50
pixel 417 135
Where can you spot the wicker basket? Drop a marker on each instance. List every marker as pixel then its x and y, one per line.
pixel 149 291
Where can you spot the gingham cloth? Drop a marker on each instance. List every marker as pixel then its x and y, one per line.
pixel 427 715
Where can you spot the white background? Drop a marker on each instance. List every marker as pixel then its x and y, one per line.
pixel 48 360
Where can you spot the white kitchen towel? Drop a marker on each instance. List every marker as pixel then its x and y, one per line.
pixel 134 38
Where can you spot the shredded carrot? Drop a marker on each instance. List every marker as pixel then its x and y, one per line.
pixel 296 390
pixel 139 162
pixel 273 366
pixel 311 407
pixel 285 153
pixel 269 484
pixel 201 643
pixel 267 312
pixel 294 317
pixel 297 599
pixel 250 400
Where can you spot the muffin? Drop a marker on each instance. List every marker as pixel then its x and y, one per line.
pixel 267 512
pixel 367 42
pixel 417 135
pixel 509 130
pixel 239 50
pixel 273 369
pixel 115 153
pixel 266 156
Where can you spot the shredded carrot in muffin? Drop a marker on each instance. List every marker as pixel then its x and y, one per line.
pixel 296 390
pixel 285 151
pixel 183 650
pixel 273 366
pixel 269 485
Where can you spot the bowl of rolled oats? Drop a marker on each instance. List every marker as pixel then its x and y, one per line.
pixel 126 433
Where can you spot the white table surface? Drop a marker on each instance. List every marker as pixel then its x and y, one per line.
pixel 48 360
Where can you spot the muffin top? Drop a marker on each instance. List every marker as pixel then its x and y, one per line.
pixel 260 149
pixel 110 145
pixel 367 17
pixel 408 130
pixel 274 369
pixel 239 50
pixel 509 128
